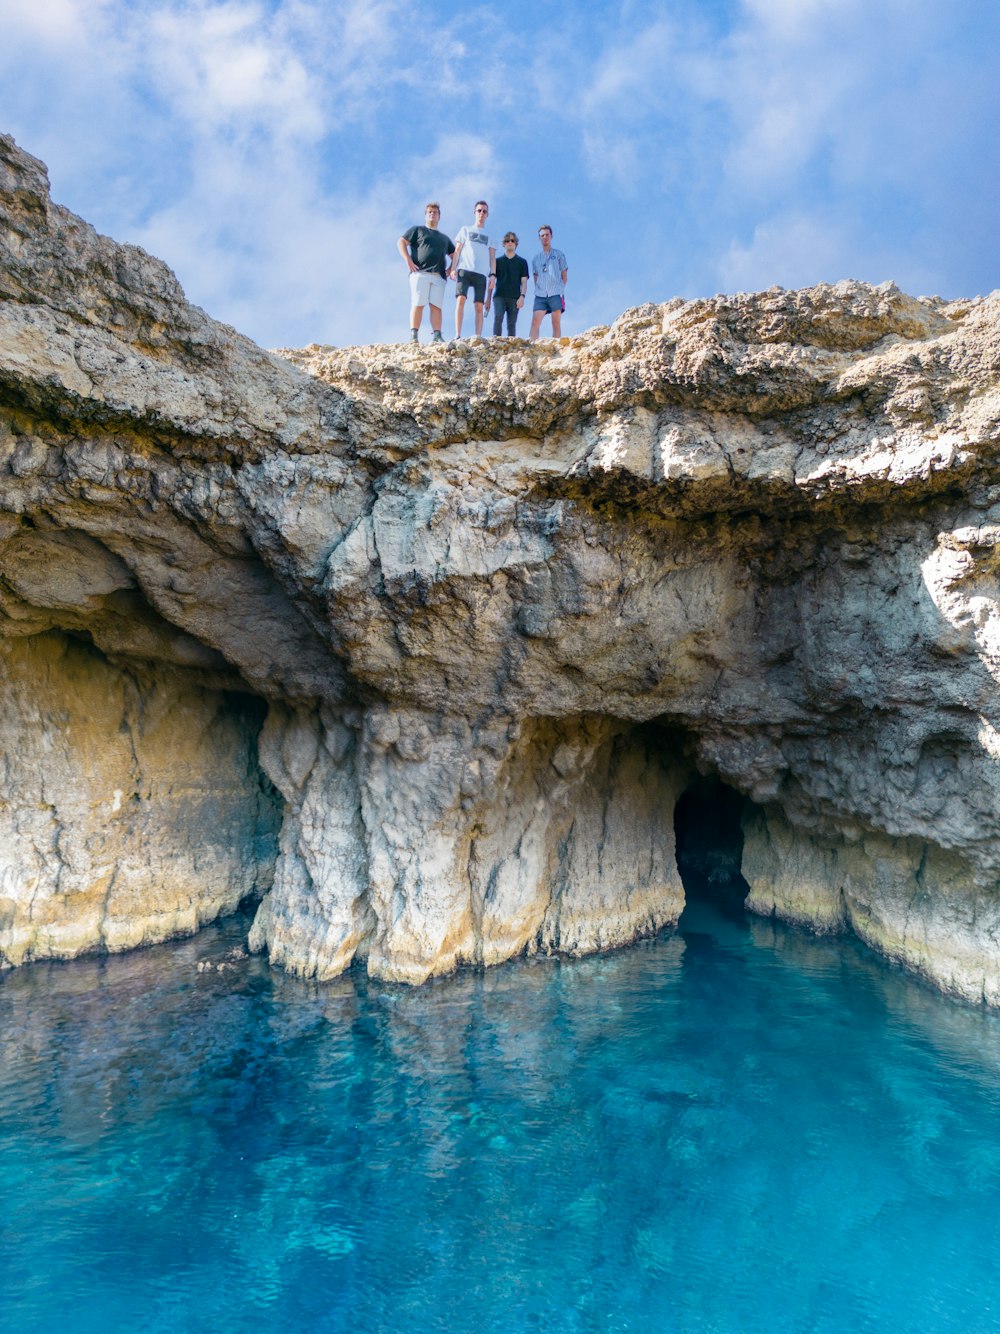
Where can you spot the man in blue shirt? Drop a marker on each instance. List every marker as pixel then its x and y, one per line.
pixel 550 269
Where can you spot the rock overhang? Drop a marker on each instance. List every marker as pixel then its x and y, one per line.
pixel 465 578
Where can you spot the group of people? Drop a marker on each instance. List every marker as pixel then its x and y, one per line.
pixel 471 260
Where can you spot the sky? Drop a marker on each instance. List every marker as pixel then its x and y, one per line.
pixel 273 151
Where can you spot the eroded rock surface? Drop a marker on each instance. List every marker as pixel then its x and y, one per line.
pixel 131 806
pixel 500 604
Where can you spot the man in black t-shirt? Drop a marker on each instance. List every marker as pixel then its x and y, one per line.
pixel 512 284
pixel 425 251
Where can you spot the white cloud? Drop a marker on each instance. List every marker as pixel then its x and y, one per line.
pixel 56 23
pixel 303 273
pixel 615 158
pixel 599 303
pixel 459 169
pixel 629 78
pixel 226 66
pixel 790 250
pixel 836 86
pixel 802 20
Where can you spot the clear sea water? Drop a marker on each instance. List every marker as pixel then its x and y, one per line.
pixel 737 1127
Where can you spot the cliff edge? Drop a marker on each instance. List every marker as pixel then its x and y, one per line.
pixel 423 646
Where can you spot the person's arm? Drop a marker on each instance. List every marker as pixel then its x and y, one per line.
pixel 491 279
pixel 524 287
pixel 454 258
pixel 404 250
pixel 563 273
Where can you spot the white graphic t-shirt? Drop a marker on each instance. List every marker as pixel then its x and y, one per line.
pixel 475 250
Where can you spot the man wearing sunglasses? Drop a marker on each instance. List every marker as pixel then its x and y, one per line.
pixel 512 284
pixel 474 263
pixel 550 270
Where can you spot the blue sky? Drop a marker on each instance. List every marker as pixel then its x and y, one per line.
pixel 271 151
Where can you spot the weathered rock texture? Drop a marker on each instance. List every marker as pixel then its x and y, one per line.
pixel 130 802
pixel 501 604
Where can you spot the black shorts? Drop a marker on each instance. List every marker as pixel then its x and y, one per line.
pixel 477 281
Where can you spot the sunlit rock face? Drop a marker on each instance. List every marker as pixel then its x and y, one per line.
pixel 473 618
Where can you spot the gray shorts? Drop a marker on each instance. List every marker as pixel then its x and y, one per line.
pixel 427 289
pixel 550 304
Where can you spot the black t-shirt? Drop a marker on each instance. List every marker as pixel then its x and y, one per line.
pixel 509 275
pixel 428 248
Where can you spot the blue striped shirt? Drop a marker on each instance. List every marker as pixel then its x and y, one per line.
pixel 548 272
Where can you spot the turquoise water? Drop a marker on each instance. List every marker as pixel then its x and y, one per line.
pixel 735 1128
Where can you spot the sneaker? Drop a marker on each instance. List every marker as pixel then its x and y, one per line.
pixel 437 336
pixel 414 336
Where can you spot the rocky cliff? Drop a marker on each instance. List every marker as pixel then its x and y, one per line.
pixel 423 646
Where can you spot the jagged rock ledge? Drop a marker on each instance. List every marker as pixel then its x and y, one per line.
pixel 424 646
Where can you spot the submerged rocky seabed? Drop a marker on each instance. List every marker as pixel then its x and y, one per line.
pixel 735 1127
pixel 422 648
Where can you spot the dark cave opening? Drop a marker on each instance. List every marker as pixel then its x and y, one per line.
pixel 709 841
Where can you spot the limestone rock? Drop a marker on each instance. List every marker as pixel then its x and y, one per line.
pixel 131 807
pixel 501 604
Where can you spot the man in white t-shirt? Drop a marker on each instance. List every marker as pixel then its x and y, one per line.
pixel 474 264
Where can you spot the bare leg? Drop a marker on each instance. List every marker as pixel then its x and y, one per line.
pixel 536 324
pixel 435 318
pixel 556 323
pixel 479 319
pixel 416 315
pixel 459 312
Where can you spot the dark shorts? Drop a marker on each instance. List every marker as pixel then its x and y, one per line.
pixel 477 281
pixel 550 304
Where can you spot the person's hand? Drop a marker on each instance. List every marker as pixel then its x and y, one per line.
pixel 410 265
pixel 486 306
pixel 520 302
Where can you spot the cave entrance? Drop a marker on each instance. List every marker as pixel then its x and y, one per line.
pixel 709 840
